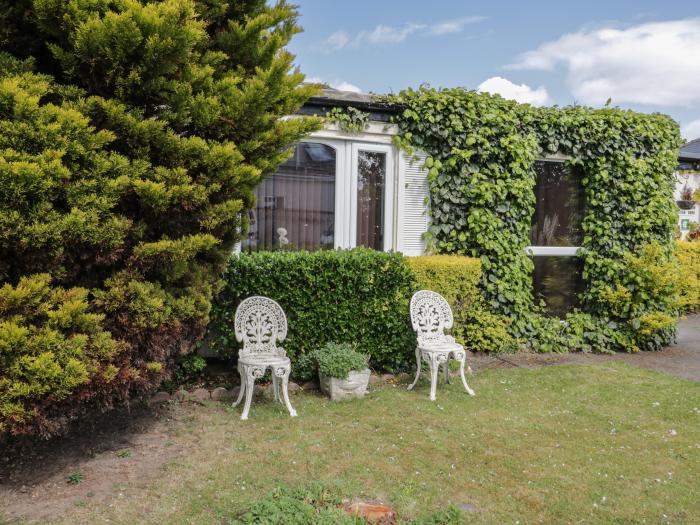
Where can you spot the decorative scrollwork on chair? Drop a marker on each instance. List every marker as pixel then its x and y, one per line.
pixel 431 317
pixel 260 324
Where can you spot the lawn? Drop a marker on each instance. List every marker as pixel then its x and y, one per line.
pixel 561 444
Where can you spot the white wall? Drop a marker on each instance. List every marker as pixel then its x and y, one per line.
pixel 693 215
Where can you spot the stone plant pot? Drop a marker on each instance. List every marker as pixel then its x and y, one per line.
pixel 354 386
pixel 686 205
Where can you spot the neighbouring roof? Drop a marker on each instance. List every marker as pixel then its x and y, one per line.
pixel 691 151
pixel 330 98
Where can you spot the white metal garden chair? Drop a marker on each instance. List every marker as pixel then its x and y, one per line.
pixel 431 316
pixel 260 324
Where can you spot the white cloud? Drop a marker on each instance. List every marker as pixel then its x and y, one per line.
pixel 336 41
pixel 519 92
pixel 346 86
pixel 691 130
pixel 386 34
pixel 453 26
pixel 342 85
pixel 653 63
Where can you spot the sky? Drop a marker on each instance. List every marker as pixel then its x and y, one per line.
pixel 642 54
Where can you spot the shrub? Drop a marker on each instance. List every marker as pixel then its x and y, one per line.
pixel 357 295
pixel 457 279
pixel 132 135
pixel 339 359
pixel 51 347
pixel 688 255
pixel 320 505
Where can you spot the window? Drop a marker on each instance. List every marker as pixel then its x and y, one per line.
pixel 371 177
pixel 559 206
pixel 295 206
pixel 556 236
pixel 557 281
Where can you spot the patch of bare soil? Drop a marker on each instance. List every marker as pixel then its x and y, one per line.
pixel 117 452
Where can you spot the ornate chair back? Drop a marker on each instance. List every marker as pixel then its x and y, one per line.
pixel 431 315
pixel 259 324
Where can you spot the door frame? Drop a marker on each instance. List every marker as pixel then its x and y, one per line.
pixel 389 184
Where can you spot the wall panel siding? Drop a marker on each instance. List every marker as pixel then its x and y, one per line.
pixel 413 204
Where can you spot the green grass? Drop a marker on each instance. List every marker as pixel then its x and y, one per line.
pixel 559 444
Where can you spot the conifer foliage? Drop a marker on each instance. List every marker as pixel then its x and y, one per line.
pixel 132 134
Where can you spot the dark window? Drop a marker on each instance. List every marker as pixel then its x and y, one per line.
pixel 371 177
pixel 559 205
pixel 295 206
pixel 557 281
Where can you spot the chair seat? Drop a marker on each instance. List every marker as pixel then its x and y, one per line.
pixel 440 346
pixel 264 359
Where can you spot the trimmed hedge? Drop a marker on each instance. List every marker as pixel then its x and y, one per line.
pixel 688 254
pixel 358 296
pixel 457 279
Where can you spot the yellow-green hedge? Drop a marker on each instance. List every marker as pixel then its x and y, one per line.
pixel 457 279
pixel 688 254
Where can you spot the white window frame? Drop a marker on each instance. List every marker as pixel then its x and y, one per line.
pixel 340 180
pixel 389 204
pixel 553 251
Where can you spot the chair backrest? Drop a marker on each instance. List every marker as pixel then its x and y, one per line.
pixel 431 315
pixel 259 324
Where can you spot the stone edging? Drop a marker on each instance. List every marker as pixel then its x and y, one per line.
pixel 199 395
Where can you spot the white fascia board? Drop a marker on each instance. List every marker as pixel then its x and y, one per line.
pixel 375 132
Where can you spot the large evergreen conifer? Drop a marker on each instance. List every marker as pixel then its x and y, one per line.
pixel 132 134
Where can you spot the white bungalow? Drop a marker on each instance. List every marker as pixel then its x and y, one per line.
pixel 343 190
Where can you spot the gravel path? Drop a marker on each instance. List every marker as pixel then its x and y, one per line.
pixel 680 360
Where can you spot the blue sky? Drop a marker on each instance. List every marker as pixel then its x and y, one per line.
pixel 642 54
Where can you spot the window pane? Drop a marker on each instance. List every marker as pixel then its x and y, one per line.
pixel 559 206
pixel 295 207
pixel 557 281
pixel 371 175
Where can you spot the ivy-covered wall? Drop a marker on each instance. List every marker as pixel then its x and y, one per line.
pixel 482 150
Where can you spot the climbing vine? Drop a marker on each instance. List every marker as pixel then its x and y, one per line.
pixel 349 119
pixel 481 153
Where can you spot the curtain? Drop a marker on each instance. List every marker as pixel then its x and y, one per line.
pixel 371 177
pixel 295 206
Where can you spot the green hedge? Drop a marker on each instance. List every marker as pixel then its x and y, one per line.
pixel 457 279
pixel 688 254
pixel 358 296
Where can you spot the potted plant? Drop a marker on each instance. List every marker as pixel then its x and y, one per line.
pixel 686 201
pixel 342 371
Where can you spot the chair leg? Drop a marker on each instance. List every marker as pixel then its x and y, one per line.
pixel 418 367
pixel 447 372
pixel 250 384
pixel 434 369
pixel 285 392
pixel 241 390
pixel 276 387
pixel 464 379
